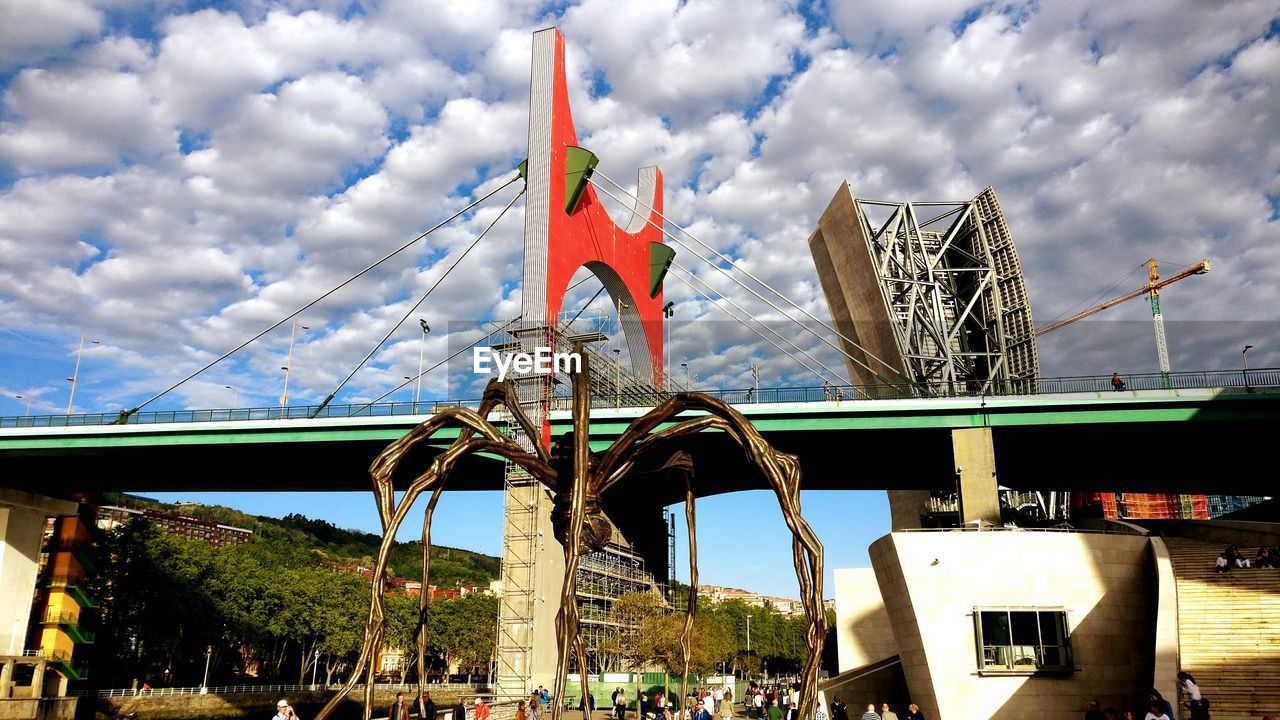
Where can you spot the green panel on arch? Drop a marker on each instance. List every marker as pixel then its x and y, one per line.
pixel 578 164
pixel 660 257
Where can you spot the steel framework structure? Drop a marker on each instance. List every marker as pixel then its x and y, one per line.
pixel 952 282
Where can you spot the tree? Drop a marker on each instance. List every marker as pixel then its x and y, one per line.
pixel 636 642
pixel 464 630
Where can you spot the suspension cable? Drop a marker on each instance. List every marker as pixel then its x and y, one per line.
pixel 585 306
pixel 707 294
pixel 410 381
pixel 414 309
pixel 749 289
pixel 124 415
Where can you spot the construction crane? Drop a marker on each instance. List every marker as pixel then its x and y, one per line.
pixel 1152 289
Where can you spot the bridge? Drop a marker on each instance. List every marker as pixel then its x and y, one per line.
pixel 1076 434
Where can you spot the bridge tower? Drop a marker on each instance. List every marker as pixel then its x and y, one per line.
pixel 566 228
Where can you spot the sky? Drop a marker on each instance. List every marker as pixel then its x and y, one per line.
pixel 177 176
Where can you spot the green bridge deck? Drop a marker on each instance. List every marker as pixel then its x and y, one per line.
pixel 1204 440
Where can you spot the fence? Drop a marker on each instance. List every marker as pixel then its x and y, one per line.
pixel 273 689
pixel 1255 379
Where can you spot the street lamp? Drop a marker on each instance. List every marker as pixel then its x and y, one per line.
pixel 75 376
pixel 236 401
pixel 28 410
pixel 748 633
pixel 617 387
pixel 315 665
pixel 288 362
pixel 668 312
pixel 1244 358
pixel 685 365
pixel 422 345
pixel 204 686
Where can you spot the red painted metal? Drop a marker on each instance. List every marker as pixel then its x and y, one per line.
pixel 590 237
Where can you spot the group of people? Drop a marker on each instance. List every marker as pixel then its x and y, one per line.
pixel 1156 706
pixel 840 712
pixel 1268 557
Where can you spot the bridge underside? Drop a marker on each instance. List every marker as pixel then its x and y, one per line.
pixel 1223 451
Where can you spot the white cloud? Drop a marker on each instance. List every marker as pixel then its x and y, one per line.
pixel 186 188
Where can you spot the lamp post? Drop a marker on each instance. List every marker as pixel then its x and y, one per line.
pixel 235 402
pixel 1244 358
pixel 755 375
pixel 748 634
pixel 288 362
pixel 75 376
pixel 204 686
pixel 315 665
pixel 668 312
pixel 617 385
pixel 422 345
pixel 687 386
pixel 28 410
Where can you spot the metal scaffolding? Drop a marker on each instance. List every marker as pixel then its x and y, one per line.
pixel 603 577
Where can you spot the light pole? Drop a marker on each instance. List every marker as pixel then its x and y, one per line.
pixel 315 665
pixel 668 312
pixel 204 686
pixel 685 365
pixel 75 376
pixel 748 634
pixel 1244 358
pixel 28 410
pixel 236 401
pixel 617 386
pixel 288 363
pixel 422 345
pixel 755 375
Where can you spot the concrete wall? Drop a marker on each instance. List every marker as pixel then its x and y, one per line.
pixel 864 634
pixel 22 517
pixel 932 581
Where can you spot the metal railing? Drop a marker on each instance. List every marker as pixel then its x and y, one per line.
pixel 273 689
pixel 1231 380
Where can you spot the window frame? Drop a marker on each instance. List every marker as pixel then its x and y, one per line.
pixel 983 650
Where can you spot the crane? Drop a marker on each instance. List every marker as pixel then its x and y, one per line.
pixel 1152 289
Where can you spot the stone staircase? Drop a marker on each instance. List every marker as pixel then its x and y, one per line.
pixel 1229 630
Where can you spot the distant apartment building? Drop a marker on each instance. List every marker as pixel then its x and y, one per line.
pixel 111 517
pixel 1158 506
pixel 784 606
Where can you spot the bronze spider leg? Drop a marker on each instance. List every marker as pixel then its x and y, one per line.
pixel 782 472
pixel 391 515
pixel 692 523
pixel 567 618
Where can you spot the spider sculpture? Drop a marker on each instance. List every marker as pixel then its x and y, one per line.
pixel 579 478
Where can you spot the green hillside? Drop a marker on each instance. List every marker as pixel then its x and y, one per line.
pixel 450 567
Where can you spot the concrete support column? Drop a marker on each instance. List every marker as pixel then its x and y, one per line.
pixel 976 482
pixel 22 517
pixel 6 679
pixel 906 507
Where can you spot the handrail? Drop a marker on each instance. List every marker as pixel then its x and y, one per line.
pixel 273 689
pixel 1238 380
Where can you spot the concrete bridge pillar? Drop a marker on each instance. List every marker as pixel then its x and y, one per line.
pixel 22 518
pixel 976 483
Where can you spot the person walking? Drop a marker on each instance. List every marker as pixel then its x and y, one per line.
pixel 913 713
pixel 428 709
pixel 284 711
pixel 399 709
pixel 870 714
pixel 482 709
pixel 620 704
pixel 886 713
pixel 726 704
pixel 459 711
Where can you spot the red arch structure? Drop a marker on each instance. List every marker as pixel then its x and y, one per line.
pixel 566 227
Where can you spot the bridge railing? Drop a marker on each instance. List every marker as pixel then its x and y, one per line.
pixel 1231 380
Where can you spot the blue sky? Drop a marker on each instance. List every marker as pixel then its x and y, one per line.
pixel 177 176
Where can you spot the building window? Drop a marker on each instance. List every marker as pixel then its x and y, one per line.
pixel 1022 640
